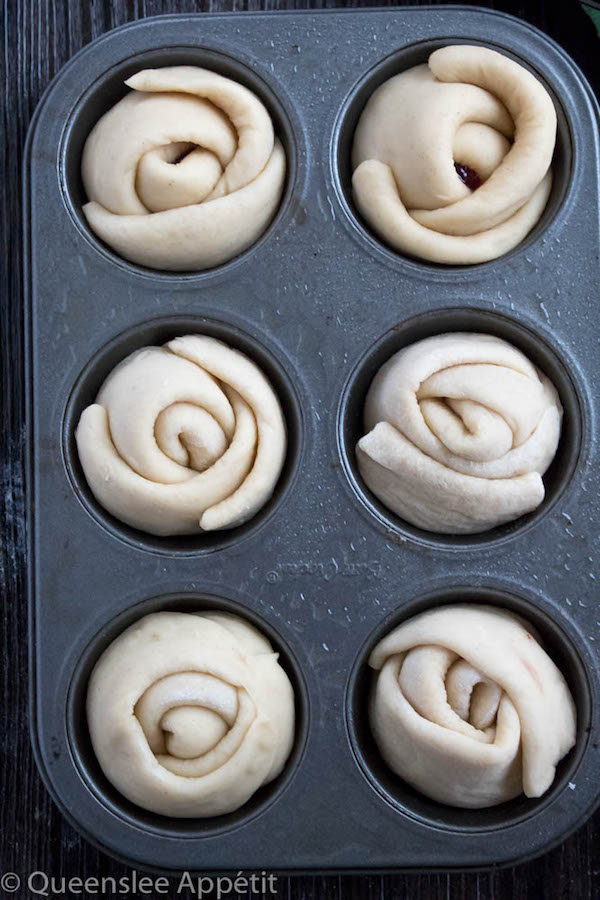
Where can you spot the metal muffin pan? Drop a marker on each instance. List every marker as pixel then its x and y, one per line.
pixel 324 570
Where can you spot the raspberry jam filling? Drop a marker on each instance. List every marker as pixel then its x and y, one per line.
pixel 468 176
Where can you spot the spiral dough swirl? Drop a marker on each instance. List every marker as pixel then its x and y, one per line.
pixel 183 438
pixel 189 714
pixel 184 172
pixel 470 112
pixel 468 707
pixel 461 428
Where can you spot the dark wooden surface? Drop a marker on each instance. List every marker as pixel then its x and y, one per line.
pixel 39 36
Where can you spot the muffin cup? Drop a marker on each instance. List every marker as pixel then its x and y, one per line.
pixel 103 93
pixel 83 754
pixel 562 644
pixel 563 163
pixel 156 333
pixel 537 347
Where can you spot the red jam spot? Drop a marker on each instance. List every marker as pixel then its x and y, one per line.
pixel 468 176
pixel 534 674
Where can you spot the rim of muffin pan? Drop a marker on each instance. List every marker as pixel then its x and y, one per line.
pixel 536 347
pixel 157 332
pixel 562 643
pixel 564 162
pixel 80 745
pixel 110 87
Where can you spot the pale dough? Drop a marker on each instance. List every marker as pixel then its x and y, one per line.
pixel 472 106
pixel 184 172
pixel 189 714
pixel 183 438
pixel 461 428
pixel 468 707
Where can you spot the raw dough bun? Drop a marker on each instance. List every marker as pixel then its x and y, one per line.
pixel 472 106
pixel 189 714
pixel 183 438
pixel 184 172
pixel 468 708
pixel 461 428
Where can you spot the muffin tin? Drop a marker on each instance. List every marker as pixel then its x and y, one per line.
pixel 324 569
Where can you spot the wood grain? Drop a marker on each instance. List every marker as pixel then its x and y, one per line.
pixel 39 36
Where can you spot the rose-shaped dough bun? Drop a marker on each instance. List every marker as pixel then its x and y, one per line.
pixel 184 172
pixel 189 714
pixel 461 429
pixel 472 110
pixel 183 438
pixel 468 707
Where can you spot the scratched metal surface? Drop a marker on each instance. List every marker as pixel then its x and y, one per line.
pixel 276 588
